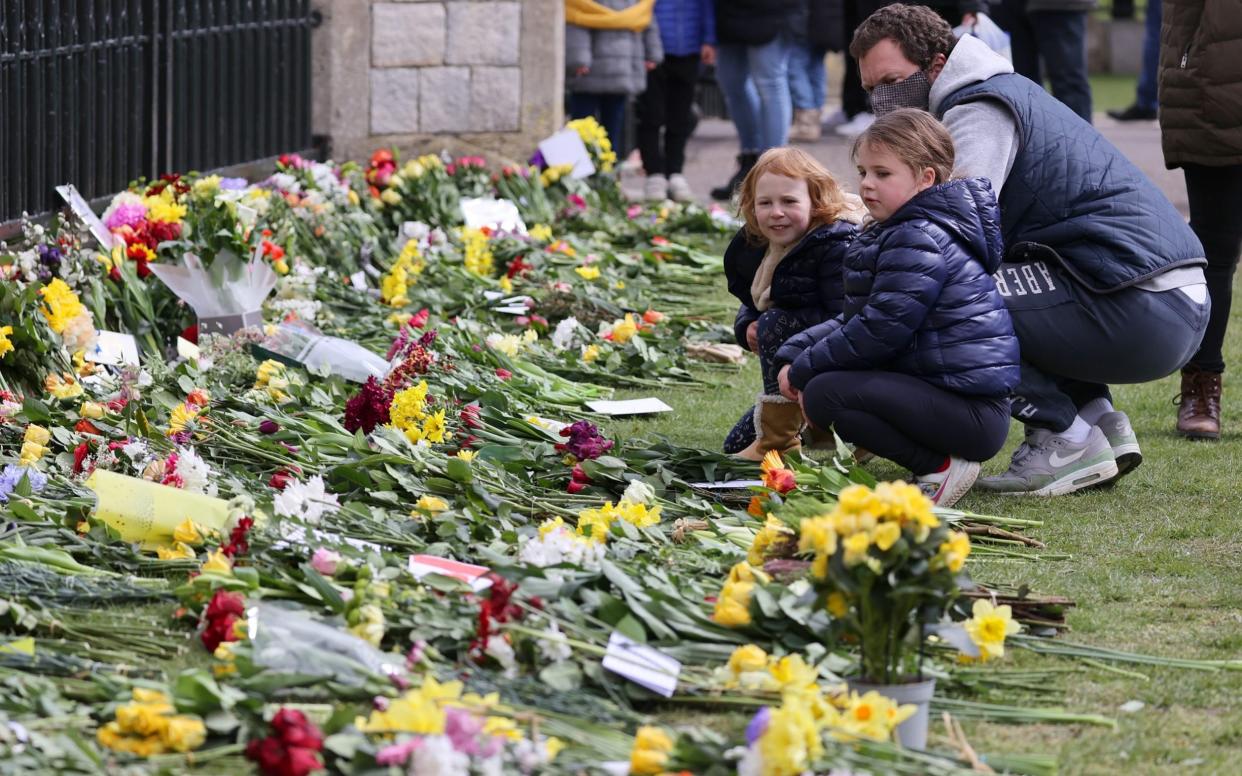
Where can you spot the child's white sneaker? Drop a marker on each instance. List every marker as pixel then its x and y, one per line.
pixel 946 488
pixel 656 188
pixel 679 188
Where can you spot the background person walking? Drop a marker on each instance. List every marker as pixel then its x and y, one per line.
pixel 1201 131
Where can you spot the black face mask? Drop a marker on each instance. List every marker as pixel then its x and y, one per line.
pixel 913 92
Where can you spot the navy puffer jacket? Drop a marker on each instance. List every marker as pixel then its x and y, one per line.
pixel 920 299
pixel 808 282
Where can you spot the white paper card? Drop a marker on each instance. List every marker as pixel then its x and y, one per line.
pixel 727 484
pixel 499 214
pixel 70 194
pixel 513 310
pixel 359 280
pixel 616 767
pixel 566 147
pixel 472 575
pixel 114 348
pixel 642 665
pixel 629 406
pixel 492 296
pixel 187 349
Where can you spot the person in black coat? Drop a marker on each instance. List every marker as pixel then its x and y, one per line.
pixel 919 366
pixel 784 266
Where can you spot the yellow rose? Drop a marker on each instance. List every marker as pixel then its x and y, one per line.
pixel 31 453
pixel 37 434
pixel 91 410
pixel 431 504
pixel 748 658
pixel 184 733
pixel 733 604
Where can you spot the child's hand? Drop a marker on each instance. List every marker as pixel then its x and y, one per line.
pixel 752 336
pixel 582 70
pixel 707 54
pixel 650 65
pixel 787 390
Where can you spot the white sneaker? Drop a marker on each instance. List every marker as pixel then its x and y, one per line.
pixel 679 188
pixel 855 126
pixel 835 119
pixel 946 488
pixel 1047 464
pixel 656 188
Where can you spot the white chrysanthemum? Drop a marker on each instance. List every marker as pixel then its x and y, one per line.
pixel 638 492
pixel 562 545
pixel 501 651
pixel 563 336
pixel 306 500
pixel 195 473
pixel 437 757
pixel 553 646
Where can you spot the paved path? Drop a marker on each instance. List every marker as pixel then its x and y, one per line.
pixel 710 158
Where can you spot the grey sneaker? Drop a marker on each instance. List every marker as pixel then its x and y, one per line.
pixel 679 188
pixel 1050 465
pixel 946 488
pixel 655 189
pixel 1120 434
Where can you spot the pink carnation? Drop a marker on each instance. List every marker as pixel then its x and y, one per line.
pixel 130 214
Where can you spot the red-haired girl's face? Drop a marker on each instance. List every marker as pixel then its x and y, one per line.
pixel 782 209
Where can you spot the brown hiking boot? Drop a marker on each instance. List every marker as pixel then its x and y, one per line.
pixel 1198 411
pixel 778 426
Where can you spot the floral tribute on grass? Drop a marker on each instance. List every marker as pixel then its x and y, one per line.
pixel 421 567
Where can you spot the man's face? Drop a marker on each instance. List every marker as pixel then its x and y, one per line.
pixel 885 64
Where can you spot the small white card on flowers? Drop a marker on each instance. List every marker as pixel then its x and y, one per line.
pixel 499 214
pixel 115 349
pixel 566 147
pixel 642 665
pixel 472 575
pixel 187 349
pixel 359 280
pixel 70 194
pixel 727 484
pixel 629 406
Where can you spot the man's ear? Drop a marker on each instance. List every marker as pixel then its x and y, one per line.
pixel 937 64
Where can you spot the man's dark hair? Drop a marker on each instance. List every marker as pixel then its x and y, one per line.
pixel 918 31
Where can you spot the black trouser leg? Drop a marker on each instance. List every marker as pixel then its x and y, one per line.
pixel 650 113
pixel 906 419
pixel 682 74
pixel 1215 195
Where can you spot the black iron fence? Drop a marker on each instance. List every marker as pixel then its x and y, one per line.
pixel 99 92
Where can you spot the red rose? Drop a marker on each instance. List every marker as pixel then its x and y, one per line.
pixel 300 762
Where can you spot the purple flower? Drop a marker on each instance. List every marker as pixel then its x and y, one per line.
pixel 269 427
pixel 585 442
pixel 758 725
pixel 537 160
pixel 462 728
pixel 12 476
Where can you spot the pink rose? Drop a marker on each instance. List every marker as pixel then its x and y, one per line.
pixel 325 561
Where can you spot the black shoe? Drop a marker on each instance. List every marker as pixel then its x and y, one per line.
pixel 1134 113
pixel 744 163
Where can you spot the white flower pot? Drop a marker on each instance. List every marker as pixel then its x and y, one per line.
pixel 913 732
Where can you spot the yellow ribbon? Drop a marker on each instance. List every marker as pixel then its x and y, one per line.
pixel 588 13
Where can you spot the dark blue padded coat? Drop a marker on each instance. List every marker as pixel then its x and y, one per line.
pixel 807 283
pixel 920 299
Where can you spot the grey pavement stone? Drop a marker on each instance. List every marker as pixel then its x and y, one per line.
pixel 394 100
pixel 407 34
pixel 444 99
pixel 495 99
pixel 483 33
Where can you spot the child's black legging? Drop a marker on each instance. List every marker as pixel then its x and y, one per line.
pixel 906 419
pixel 775 326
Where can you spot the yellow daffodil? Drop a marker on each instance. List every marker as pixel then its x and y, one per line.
pixel 886 535
pixel 179 551
pixel 506 284
pixel 989 627
pixel 791 741
pixel 837 604
pixel 588 272
pixel 624 330
pixel 856 548
pixel 652 747
pixel 953 553
pixel 187 532
pixel 748 658
pixel 590 353
pixel 218 563
pixel 541 233
pixel 6 345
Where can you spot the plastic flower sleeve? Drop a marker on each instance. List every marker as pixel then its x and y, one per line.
pixel 291 642
pixel 301 343
pixel 148 512
pixel 226 294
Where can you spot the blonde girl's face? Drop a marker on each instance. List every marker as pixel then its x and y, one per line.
pixel 885 182
pixel 782 208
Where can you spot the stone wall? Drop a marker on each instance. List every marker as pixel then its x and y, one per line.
pixel 424 75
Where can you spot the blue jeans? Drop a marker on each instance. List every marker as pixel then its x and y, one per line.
pixel 1146 94
pixel 755 83
pixel 807 76
pixel 608 109
pixel 1057 40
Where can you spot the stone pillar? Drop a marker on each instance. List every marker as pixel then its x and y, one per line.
pixel 480 76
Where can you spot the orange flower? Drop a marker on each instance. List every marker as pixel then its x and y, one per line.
pixel 775 476
pixel 652 316
pixel 757 506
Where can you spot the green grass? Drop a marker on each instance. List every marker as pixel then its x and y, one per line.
pixel 1109 91
pixel 1156 568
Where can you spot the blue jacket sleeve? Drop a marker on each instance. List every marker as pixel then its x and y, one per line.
pixel 795 345
pixel 746 315
pixel 709 21
pixel 910 273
